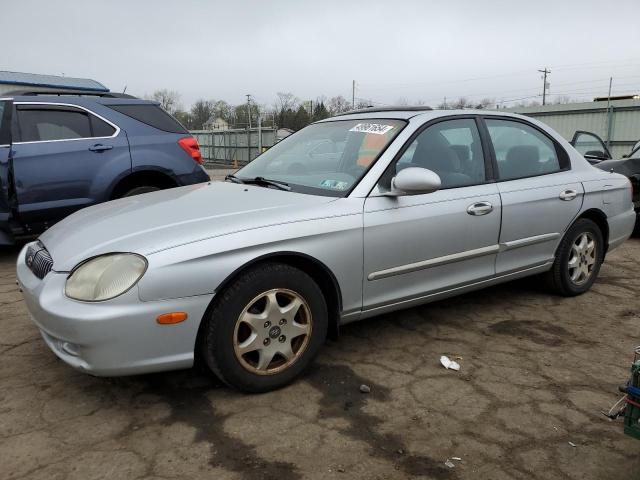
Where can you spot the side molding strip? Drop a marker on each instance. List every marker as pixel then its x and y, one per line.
pixel 434 262
pixel 525 242
pixel 466 255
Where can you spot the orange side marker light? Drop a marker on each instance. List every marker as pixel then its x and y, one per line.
pixel 171 318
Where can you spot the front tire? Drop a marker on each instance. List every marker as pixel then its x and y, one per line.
pixel 578 259
pixel 265 328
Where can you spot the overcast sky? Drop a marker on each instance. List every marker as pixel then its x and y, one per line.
pixel 417 50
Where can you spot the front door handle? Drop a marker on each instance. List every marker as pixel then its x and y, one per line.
pixel 479 208
pixel 98 147
pixel 568 195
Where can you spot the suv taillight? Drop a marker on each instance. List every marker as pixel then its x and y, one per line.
pixel 190 145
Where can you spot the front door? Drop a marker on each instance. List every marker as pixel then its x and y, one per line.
pixel 64 160
pixel 591 146
pixel 422 244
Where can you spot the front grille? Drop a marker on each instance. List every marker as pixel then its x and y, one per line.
pixel 38 260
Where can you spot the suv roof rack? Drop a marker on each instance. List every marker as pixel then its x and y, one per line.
pixel 387 109
pixel 61 92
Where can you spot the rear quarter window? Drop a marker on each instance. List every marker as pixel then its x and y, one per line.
pixel 151 115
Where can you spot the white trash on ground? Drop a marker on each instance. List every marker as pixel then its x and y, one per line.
pixel 449 364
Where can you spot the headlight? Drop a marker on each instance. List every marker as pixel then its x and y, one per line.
pixel 105 277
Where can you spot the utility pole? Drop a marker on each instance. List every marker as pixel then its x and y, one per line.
pixel 353 95
pixel 545 85
pixel 609 114
pixel 249 108
pixel 249 128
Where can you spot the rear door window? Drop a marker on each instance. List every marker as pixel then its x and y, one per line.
pixel 100 128
pixel 45 125
pixel 151 115
pixel 521 151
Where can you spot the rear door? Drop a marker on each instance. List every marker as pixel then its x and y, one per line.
pixel 66 158
pixel 539 192
pixel 6 107
pixel 590 146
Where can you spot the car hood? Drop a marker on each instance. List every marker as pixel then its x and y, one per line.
pixel 156 221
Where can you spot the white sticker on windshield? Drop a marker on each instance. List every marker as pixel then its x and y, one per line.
pixel 377 128
pixel 334 184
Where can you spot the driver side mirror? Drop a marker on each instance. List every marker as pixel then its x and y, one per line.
pixel 414 181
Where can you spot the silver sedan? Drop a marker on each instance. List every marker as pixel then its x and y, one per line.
pixel 348 218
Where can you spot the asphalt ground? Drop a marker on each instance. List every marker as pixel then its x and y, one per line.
pixel 536 372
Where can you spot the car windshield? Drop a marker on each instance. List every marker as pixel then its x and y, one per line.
pixel 326 158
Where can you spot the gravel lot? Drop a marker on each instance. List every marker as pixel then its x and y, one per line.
pixel 536 372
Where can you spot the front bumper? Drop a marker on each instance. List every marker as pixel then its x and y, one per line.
pixel 115 337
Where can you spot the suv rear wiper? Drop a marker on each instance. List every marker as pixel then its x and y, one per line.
pixel 259 181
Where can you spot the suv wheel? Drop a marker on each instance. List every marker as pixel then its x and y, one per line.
pixel 578 260
pixel 265 328
pixel 140 190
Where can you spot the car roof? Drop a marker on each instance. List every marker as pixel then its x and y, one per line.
pixel 406 113
pixel 79 99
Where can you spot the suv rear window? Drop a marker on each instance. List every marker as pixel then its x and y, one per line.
pixel 151 115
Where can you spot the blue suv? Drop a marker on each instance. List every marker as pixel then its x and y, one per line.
pixel 61 152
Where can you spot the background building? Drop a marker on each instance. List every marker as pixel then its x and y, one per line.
pixel 616 122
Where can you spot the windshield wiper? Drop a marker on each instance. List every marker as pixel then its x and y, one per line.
pixel 261 181
pixel 231 177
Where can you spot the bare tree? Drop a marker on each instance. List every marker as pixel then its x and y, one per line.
pixel 563 99
pixel 285 101
pixel 363 103
pixel 201 111
pixel 337 105
pixel 402 102
pixel 485 103
pixel 169 100
pixel 461 104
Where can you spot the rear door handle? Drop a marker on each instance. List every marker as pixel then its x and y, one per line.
pixel 479 208
pixel 98 147
pixel 568 195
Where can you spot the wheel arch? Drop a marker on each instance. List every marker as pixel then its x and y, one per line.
pixel 142 178
pixel 598 217
pixel 315 268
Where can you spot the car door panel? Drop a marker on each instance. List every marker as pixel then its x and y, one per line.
pixel 534 217
pixel 424 243
pixel 54 178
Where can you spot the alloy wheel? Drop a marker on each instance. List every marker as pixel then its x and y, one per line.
pixel 272 331
pixel 582 258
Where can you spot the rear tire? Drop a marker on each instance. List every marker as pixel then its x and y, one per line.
pixel 141 190
pixel 265 328
pixel 578 259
